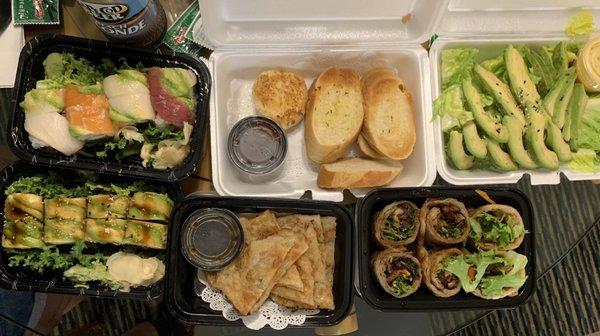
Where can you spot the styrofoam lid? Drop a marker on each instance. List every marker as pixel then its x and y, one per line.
pixel 519 17
pixel 322 22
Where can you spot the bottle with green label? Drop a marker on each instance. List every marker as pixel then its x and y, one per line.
pixel 139 22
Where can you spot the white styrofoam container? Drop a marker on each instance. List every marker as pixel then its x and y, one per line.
pixel 308 37
pixel 489 26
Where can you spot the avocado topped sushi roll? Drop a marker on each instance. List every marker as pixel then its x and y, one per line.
pixel 23 234
pixel 65 208
pixel 150 206
pixel 146 234
pixel 105 230
pixel 62 231
pixel 21 205
pixel 107 206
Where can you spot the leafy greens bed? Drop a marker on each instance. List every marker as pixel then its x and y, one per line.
pixel 529 107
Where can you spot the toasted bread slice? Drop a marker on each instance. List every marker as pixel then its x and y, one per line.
pixel 358 173
pixel 366 149
pixel 389 125
pixel 281 96
pixel 334 114
pixel 375 75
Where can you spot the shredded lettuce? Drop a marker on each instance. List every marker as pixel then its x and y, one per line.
pixel 460 266
pixel 585 161
pixel 457 64
pixel 493 285
pixel 450 106
pixel 495 65
pixel 588 129
pixel 581 23
pixel 488 228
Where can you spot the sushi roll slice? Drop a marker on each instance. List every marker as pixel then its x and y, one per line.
pixel 23 234
pixel 111 231
pixel 44 123
pixel 172 94
pixel 107 206
pixel 146 234
pixel 65 208
pixel 62 231
pixel 128 97
pixel 18 206
pixel 87 114
pixel 150 206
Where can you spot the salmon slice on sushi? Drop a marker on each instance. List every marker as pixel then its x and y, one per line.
pixel 88 114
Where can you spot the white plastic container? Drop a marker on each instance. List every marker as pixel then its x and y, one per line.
pixel 490 25
pixel 309 36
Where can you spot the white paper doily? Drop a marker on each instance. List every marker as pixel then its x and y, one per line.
pixel 272 314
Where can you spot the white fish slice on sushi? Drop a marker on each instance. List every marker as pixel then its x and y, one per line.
pixel 44 123
pixel 52 129
pixel 128 97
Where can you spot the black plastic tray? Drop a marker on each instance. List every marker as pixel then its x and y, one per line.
pixel 17 278
pixel 423 299
pixel 31 69
pixel 183 303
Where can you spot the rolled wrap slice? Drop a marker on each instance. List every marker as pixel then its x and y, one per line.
pixel 496 226
pixel 397 224
pixel 444 222
pixel 441 282
pixel 397 271
pixel 504 278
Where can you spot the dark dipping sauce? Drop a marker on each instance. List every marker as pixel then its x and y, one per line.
pixel 257 145
pixel 211 238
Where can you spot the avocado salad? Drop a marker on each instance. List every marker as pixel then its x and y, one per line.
pixel 111 234
pixel 135 114
pixel 529 107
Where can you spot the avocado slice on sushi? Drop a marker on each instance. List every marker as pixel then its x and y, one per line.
pixel 146 234
pixel 111 231
pixel 107 206
pixel 19 205
pixel 150 206
pixel 23 234
pixel 65 208
pixel 62 231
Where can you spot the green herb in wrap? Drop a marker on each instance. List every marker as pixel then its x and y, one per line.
pixel 35 12
pixel 496 226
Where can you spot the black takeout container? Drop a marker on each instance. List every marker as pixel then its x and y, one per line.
pixel 180 295
pixel 423 299
pixel 31 69
pixel 21 279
